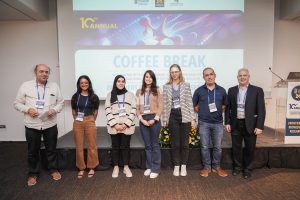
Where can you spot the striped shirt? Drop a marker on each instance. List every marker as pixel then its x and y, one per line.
pixel 112 113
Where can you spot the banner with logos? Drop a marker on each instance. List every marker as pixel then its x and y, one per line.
pixel 138 5
pixel 292 126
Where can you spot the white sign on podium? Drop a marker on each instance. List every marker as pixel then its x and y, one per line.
pixel 292 126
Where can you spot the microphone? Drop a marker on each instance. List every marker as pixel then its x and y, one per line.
pixel 281 79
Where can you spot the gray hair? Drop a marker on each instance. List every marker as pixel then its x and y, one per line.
pixel 207 68
pixel 243 70
pixel 36 66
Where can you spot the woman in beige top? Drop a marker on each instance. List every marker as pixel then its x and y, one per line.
pixel 149 109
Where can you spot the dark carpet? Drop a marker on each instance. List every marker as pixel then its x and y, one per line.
pixel 271 184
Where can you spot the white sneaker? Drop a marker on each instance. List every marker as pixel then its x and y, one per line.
pixel 153 175
pixel 147 172
pixel 183 170
pixel 176 171
pixel 115 173
pixel 127 171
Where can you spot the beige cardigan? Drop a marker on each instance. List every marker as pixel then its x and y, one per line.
pixel 156 104
pixel 112 113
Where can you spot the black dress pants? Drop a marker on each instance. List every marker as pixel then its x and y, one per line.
pixel 33 138
pixel 120 149
pixel 179 138
pixel 242 159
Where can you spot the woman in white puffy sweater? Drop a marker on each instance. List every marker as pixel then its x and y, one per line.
pixel 120 109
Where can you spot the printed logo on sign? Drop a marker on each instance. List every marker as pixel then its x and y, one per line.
pixel 159 3
pixel 294 106
pixel 92 23
pixel 296 93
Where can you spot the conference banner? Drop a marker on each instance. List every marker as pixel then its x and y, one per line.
pixel 292 127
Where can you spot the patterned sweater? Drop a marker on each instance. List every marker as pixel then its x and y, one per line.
pixel 112 113
pixel 186 103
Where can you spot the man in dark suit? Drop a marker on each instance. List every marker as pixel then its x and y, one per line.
pixel 244 119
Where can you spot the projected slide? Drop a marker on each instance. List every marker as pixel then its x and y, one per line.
pixel 102 38
pixel 104 65
pixel 180 29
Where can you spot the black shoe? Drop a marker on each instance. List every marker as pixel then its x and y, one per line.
pixel 246 175
pixel 101 168
pixel 236 172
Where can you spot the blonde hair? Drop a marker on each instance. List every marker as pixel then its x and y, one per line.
pixel 181 78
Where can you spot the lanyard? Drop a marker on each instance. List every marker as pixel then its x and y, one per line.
pixel 214 95
pixel 239 98
pixel 146 101
pixel 37 89
pixel 173 90
pixel 123 101
pixel 86 102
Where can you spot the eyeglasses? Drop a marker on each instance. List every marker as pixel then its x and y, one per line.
pixel 175 72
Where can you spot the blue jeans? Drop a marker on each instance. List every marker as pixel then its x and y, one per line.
pixel 150 136
pixel 211 134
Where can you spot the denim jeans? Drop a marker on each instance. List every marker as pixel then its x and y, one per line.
pixel 211 134
pixel 150 136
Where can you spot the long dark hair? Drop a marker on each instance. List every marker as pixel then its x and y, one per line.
pixel 115 91
pixel 90 89
pixel 154 87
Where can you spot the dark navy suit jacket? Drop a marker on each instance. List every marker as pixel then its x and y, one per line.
pixel 255 110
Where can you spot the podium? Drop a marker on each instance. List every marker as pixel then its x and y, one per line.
pixel 292 122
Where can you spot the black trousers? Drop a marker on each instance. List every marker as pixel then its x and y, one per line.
pixel 33 138
pixel 120 149
pixel 242 159
pixel 179 138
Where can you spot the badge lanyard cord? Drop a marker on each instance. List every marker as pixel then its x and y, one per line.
pixel 86 102
pixel 37 89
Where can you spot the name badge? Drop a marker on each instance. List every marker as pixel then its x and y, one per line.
pixel 80 116
pixel 146 109
pixel 122 112
pixel 176 103
pixel 241 107
pixel 212 107
pixel 40 104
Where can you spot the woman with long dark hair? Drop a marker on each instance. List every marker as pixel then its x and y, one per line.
pixel 149 109
pixel 120 110
pixel 85 105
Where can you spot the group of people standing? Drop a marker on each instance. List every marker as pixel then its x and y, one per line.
pixel 174 107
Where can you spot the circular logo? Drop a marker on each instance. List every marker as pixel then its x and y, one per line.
pixel 296 93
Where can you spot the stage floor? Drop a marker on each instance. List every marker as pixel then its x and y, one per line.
pixel 270 152
pixel 267 139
